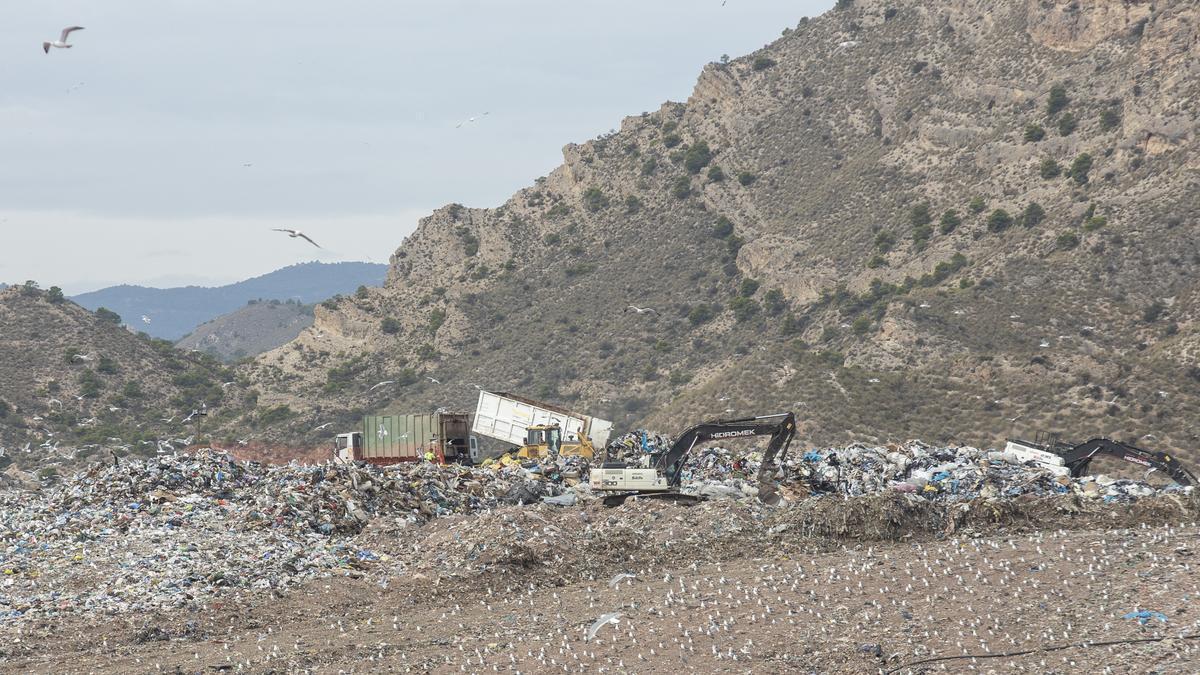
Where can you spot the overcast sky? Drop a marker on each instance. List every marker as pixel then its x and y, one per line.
pixel 124 158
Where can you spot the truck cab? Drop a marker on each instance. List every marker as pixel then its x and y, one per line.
pixel 348 447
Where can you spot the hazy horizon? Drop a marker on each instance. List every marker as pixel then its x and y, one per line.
pixel 133 145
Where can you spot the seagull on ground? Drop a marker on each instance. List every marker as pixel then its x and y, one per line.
pixel 61 43
pixel 641 310
pixel 382 384
pixel 296 233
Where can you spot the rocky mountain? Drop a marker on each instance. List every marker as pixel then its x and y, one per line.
pixel 258 327
pixel 946 219
pixel 74 384
pixel 171 313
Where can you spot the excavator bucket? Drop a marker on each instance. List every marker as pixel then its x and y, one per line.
pixel 768 490
pixel 768 493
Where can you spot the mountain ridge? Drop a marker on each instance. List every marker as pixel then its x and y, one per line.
pixel 950 220
pixel 175 312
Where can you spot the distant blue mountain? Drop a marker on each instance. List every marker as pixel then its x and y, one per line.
pixel 175 312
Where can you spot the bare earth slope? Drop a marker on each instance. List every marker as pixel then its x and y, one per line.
pixel 786 222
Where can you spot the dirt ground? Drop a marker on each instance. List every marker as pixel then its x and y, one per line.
pixel 834 608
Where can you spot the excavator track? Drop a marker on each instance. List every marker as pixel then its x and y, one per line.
pixel 675 497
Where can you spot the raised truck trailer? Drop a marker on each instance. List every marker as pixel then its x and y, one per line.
pixel 391 439
pixel 538 428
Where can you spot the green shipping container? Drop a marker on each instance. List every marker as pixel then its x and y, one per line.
pixel 389 439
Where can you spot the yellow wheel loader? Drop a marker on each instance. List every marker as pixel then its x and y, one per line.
pixel 545 440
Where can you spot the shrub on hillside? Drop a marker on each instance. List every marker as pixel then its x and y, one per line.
pixel 744 308
pixel 919 215
pixel 1057 101
pixel 748 288
pixel 389 326
pixel 108 316
pixel 746 178
pixel 723 228
pixel 1067 125
pixel 697 157
pixel 681 188
pixel 1080 168
pixel 594 199
pixel 773 302
pixel 1110 119
pixel 1034 133
pixel 715 174
pixel 977 205
pixel 999 221
pixel 762 63
pixel 921 235
pixel 55 295
pixel 949 222
pixel 1049 169
pixel 885 241
pixel 1067 241
pixel 700 314
pixel 1033 215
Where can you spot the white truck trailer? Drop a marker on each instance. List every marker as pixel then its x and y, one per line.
pixel 507 417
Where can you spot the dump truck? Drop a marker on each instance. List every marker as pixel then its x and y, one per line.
pixel 537 427
pixel 391 439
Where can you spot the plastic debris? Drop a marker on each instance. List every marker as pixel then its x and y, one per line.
pixel 1144 616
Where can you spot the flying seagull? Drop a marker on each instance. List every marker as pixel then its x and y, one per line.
pixel 641 310
pixel 433 380
pixel 382 384
pixel 615 581
pixel 470 120
pixel 297 233
pixel 322 426
pixel 61 43
pixel 614 617
pixel 145 319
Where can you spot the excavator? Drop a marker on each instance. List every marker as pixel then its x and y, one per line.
pixel 1051 452
pixel 661 474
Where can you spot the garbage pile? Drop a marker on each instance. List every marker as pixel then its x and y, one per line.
pixel 942 474
pixel 180 529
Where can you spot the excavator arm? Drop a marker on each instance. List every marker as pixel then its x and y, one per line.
pixel 1078 457
pixel 781 427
